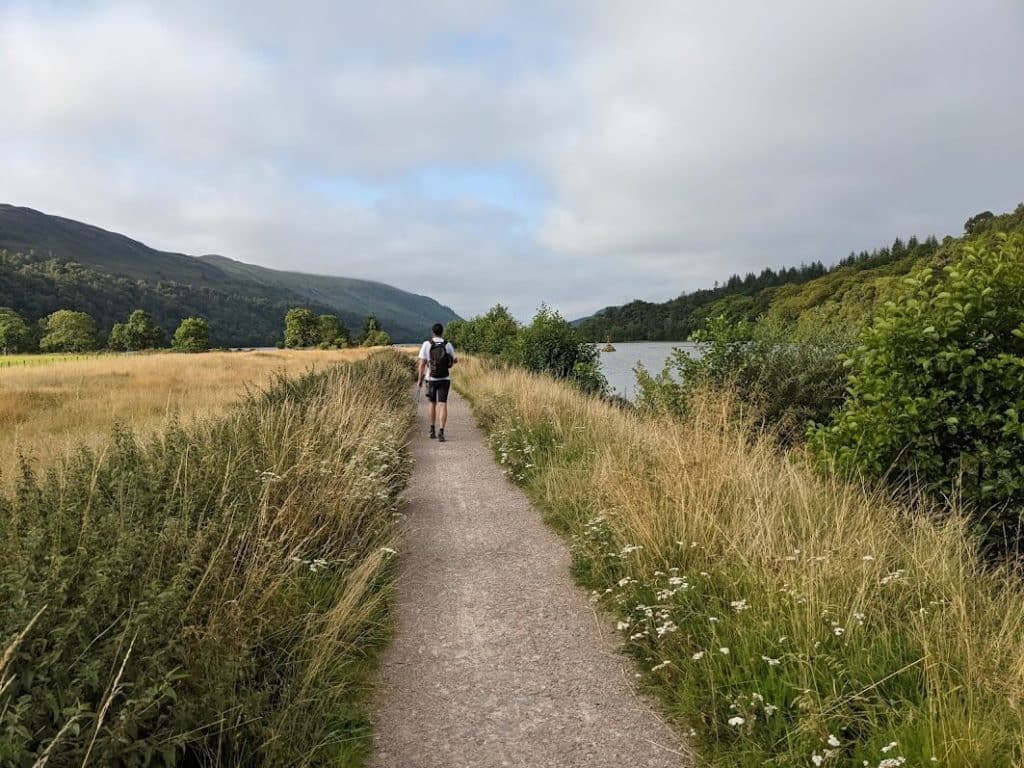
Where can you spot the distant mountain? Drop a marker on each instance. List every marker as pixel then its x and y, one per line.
pixel 49 263
pixel 845 293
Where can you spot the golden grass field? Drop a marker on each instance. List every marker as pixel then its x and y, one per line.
pixel 45 409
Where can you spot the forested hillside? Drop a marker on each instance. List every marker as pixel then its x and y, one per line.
pixel 49 263
pixel 845 293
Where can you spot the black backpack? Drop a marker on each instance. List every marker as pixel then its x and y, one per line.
pixel 439 359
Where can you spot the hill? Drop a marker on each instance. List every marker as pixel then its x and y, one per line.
pixel 846 292
pixel 49 263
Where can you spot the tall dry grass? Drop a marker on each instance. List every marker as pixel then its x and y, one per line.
pixel 209 594
pixel 46 409
pixel 785 617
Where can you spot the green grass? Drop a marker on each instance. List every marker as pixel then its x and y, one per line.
pixel 18 361
pixel 212 594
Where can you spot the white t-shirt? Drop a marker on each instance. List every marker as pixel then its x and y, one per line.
pixel 425 355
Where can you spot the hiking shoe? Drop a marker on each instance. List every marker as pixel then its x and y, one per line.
pixel 440 436
pixel 433 434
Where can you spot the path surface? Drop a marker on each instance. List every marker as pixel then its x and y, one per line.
pixel 499 659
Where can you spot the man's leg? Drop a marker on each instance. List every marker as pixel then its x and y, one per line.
pixel 431 405
pixel 442 406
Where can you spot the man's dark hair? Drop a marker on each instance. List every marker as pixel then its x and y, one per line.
pixel 438 329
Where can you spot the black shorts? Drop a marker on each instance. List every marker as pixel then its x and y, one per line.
pixel 437 391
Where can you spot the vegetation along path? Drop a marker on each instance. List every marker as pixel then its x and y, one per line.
pixel 499 659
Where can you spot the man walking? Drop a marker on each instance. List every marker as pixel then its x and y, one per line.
pixel 437 356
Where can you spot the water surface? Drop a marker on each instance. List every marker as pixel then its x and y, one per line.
pixel 618 365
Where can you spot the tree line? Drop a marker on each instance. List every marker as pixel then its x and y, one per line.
pixel 69 330
pixel 549 344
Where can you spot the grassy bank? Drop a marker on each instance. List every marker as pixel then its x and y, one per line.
pixel 210 594
pixel 786 618
pixel 47 409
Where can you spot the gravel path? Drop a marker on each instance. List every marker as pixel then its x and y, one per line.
pixel 499 659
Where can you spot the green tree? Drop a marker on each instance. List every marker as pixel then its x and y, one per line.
pixel 937 386
pixel 118 339
pixel 377 338
pixel 141 332
pixel 332 331
pixel 15 335
pixel 491 334
pixel 370 325
pixel 301 328
pixel 551 345
pixel 192 335
pixel 68 331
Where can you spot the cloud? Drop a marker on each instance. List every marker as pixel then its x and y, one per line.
pixel 580 153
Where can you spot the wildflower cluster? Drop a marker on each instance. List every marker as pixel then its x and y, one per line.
pixel 516 448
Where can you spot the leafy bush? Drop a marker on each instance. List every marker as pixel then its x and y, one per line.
pixel 787 379
pixel 210 595
pixel 192 335
pixel 491 334
pixel 937 386
pixel 552 346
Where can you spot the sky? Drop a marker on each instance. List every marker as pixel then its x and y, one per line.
pixel 580 153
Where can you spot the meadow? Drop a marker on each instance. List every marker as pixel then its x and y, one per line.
pixel 211 587
pixel 53 403
pixel 783 616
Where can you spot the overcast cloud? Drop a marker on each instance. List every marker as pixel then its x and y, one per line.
pixel 582 153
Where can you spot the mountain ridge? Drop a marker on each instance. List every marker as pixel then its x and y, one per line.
pixel 52 260
pixel 846 292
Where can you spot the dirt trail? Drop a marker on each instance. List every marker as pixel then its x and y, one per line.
pixel 499 659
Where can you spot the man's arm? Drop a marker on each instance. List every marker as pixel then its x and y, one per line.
pixel 423 369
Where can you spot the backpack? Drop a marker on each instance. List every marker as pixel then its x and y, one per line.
pixel 439 359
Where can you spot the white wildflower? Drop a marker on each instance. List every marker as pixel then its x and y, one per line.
pixel 739 605
pixel 771 662
pixel 736 721
pixel 817 759
pixel 832 741
pixel 889 747
pixel 698 656
pixel 724 651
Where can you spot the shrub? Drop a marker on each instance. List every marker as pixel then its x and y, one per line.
pixel 491 334
pixel 376 338
pixel 210 595
pixel 786 379
pixel 192 335
pixel 552 346
pixel 937 386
